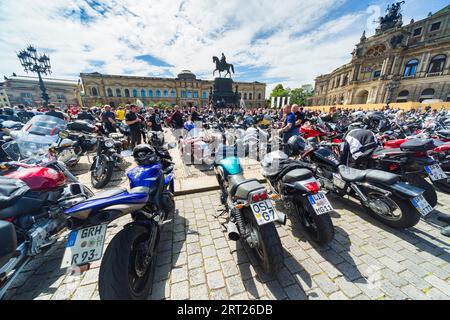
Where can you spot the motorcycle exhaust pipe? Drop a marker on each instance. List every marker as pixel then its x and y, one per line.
pixel 281 218
pixel 233 232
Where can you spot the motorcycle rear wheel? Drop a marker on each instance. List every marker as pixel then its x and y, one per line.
pixel 409 216
pixel 123 275
pixel 269 252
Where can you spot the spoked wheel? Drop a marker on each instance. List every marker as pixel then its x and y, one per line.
pixel 265 243
pixel 318 227
pixel 128 265
pixel 392 211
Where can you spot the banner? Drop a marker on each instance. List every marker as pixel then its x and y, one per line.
pixel 272 103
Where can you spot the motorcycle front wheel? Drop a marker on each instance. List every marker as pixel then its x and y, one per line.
pixel 268 250
pixel 101 176
pixel 127 268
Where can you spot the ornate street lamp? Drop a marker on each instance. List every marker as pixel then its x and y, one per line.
pixel 40 64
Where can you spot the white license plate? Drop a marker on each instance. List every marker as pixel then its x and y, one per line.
pixel 320 203
pixel 264 212
pixel 84 246
pixel 422 205
pixel 435 172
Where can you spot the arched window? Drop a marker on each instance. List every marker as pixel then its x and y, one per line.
pixel 250 96
pixel 189 94
pixel 427 94
pixel 173 93
pixel 204 95
pixel 158 93
pixel 143 93
pixel 150 93
pixel 94 92
pixel 259 96
pixel 135 93
pixel 245 95
pixel 166 93
pixel 183 94
pixel 411 67
pixel 403 96
pixel 127 93
pixel 110 92
pixel 118 93
pixel 437 63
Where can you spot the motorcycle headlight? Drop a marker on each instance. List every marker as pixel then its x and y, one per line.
pixel 109 143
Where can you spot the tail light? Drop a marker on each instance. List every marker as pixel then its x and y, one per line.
pixel 259 196
pixel 313 187
pixel 9 219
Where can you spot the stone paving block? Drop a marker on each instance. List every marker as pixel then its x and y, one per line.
pixel 442 285
pixel 325 283
pixel 348 288
pixel 235 285
pixel 197 277
pixel 229 268
pixel 195 261
pixel 212 264
pixel 414 293
pixel 435 294
pixel 255 289
pixel 219 294
pixel 338 296
pixel 209 251
pixel 215 280
pixel 392 291
pixel 90 276
pixel 294 292
pixel 391 264
pixel 351 272
pixel 199 292
pixel 224 254
pixel 180 291
pixel 84 292
pixel 179 274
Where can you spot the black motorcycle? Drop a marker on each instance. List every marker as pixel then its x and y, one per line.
pixel 107 158
pixel 294 183
pixel 394 203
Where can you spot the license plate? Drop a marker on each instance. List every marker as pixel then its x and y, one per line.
pixel 422 205
pixel 84 246
pixel 320 203
pixel 435 172
pixel 264 212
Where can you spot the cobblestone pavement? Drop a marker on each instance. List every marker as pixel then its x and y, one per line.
pixel 196 261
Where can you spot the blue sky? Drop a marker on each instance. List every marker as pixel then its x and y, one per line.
pixel 278 41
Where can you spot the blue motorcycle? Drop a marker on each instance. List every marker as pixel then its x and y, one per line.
pixel 128 263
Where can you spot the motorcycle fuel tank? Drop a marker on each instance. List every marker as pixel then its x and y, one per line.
pixel 324 155
pixel 39 179
pixel 144 176
pixel 231 166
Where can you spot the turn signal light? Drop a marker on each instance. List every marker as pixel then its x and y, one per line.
pixel 274 196
pixel 239 206
pixel 313 187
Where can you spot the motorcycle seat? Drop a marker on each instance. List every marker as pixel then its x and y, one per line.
pixel 241 188
pixel 107 194
pixel 377 176
pixel 234 181
pixel 297 175
pixel 418 145
pixel 351 174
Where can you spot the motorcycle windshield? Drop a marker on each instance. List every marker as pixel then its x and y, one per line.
pixel 26 151
pixel 44 125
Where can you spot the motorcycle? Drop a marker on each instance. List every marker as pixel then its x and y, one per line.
pixel 33 196
pixel 129 259
pixel 390 201
pixel 294 182
pixel 251 215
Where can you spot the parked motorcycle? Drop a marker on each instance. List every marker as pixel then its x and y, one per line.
pixel 387 199
pixel 129 259
pixel 251 215
pixel 33 198
pixel 294 182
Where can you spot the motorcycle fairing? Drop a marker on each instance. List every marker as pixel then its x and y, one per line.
pixel 144 176
pixel 230 166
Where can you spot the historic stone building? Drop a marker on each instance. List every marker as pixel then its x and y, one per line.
pixel 185 90
pixel 398 64
pixel 25 90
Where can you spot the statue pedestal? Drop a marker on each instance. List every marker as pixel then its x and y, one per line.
pixel 223 92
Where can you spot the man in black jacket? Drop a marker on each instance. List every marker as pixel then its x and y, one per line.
pixel 134 122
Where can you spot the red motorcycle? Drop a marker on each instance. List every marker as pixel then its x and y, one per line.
pixel 33 198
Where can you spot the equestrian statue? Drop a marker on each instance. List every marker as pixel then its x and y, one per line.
pixel 222 66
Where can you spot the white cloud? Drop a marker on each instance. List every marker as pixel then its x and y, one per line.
pixel 302 42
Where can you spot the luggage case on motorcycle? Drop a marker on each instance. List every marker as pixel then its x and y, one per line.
pixel 418 145
pixel 81 126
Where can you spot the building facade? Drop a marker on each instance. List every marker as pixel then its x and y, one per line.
pixel 4 100
pixel 25 90
pixel 398 64
pixel 185 90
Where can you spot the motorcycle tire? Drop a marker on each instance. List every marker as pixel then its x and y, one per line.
pixel 410 216
pixel 443 186
pixel 119 266
pixel 319 228
pixel 108 172
pixel 430 192
pixel 270 258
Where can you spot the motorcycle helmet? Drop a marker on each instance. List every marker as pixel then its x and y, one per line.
pixel 145 155
pixel 296 145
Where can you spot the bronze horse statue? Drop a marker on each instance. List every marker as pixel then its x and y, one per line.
pixel 221 68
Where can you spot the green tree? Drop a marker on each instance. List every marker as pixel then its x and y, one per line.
pixel 280 91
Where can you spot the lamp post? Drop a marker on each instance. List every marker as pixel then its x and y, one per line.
pixel 40 64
